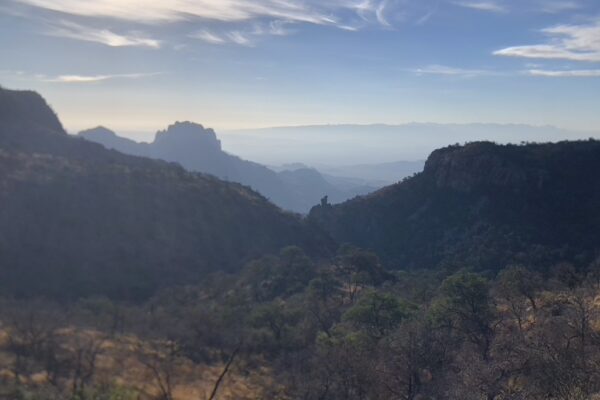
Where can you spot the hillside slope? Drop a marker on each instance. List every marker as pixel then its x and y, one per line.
pixel 482 205
pixel 78 219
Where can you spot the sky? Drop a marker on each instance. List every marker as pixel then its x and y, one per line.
pixel 138 65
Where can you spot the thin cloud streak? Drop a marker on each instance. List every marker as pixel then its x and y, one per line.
pixel 75 31
pixel 488 6
pixel 555 7
pixel 566 42
pixel 208 37
pixel 584 73
pixel 239 38
pixel 443 70
pixel 94 78
pixel 242 38
pixel 380 13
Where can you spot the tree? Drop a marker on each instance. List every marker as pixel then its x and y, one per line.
pixel 161 360
pixel 275 326
pixel 32 337
pixel 378 313
pixel 324 301
pixel 518 281
pixel 465 304
pixel 83 352
pixel 412 357
pixel 359 268
pixel 517 286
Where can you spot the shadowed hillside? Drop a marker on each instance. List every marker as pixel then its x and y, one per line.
pixel 79 219
pixel 483 205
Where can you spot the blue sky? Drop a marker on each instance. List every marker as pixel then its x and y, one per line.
pixel 137 65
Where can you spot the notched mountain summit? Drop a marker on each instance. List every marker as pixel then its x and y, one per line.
pixel 78 219
pixel 482 205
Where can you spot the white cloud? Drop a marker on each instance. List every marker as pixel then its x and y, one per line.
pixel 566 42
pixel 75 31
pixel 208 37
pixel 427 16
pixel 75 78
pixel 380 13
pixel 278 28
pixel 239 38
pixel 243 37
pixel 581 73
pixel 320 12
pixel 489 6
pixel 558 6
pixel 93 78
pixel 161 11
pixel 452 71
pixel 239 22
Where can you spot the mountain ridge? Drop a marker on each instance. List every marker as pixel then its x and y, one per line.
pixel 79 219
pixel 482 205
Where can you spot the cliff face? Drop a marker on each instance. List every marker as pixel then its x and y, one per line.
pixel 482 205
pixel 78 219
pixel 186 134
pixel 479 166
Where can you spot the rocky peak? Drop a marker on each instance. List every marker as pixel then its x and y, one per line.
pixel 188 134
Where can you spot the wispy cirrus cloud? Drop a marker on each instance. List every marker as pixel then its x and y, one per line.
pixel 243 37
pixel 558 6
pixel 327 12
pixel 71 30
pixel 580 73
pixel 423 19
pixel 488 6
pixel 240 38
pixel 565 42
pixel 208 37
pixel 380 13
pixel 74 78
pixel 93 78
pixel 239 22
pixel 443 70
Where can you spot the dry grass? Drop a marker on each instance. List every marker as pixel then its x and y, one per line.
pixel 119 363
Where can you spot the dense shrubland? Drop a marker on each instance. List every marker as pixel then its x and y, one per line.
pixel 287 327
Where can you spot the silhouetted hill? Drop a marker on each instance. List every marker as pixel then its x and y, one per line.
pixel 78 219
pixel 16 107
pixel 482 205
pixel 197 149
pixel 110 140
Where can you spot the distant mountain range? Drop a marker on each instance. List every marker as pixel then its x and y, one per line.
pixel 198 149
pixel 79 220
pixel 377 143
pixel 383 173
